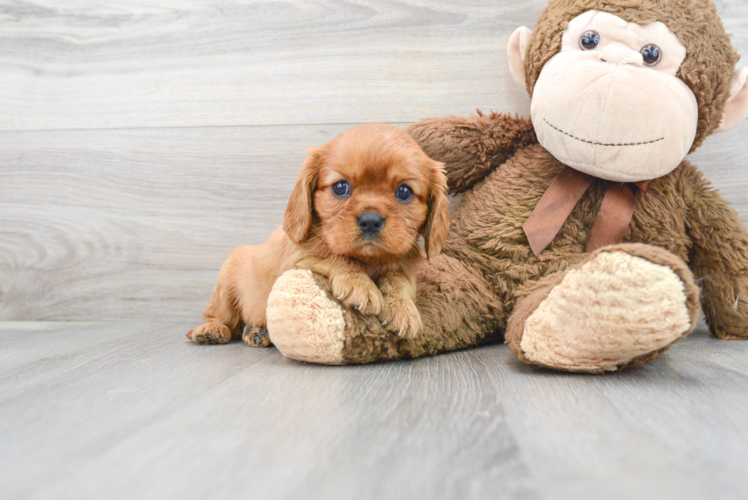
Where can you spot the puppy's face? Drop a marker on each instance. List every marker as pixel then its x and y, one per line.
pixel 375 191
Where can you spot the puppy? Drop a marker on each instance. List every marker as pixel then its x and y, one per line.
pixel 355 215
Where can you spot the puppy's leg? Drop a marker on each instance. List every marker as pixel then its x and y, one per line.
pixel 399 312
pixel 355 289
pixel 220 320
pixel 221 317
pixel 350 284
pixel 258 268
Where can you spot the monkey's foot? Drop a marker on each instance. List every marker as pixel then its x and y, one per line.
pixel 255 336
pixel 623 306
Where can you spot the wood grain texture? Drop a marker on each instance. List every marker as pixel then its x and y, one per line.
pixel 135 223
pixel 141 141
pixel 124 181
pixel 134 410
pixel 170 63
pixel 237 62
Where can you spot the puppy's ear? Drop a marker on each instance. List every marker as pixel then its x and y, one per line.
pixel 437 223
pixel 297 221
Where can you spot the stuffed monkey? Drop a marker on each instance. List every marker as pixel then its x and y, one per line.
pixel 583 238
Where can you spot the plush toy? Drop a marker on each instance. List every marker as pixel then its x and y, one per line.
pixel 582 233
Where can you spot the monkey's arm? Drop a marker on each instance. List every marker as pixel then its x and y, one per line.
pixel 472 147
pixel 719 260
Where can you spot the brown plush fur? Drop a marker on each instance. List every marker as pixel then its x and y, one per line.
pixel 470 160
pixel 710 59
pixel 376 274
pixel 487 250
pixel 467 294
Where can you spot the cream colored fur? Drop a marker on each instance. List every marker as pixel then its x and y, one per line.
pixel 736 108
pixel 516 49
pixel 614 308
pixel 604 112
pixel 297 300
pixel 606 127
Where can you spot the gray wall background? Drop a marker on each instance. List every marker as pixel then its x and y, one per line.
pixel 141 141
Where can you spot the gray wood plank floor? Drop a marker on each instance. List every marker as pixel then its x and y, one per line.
pixel 133 410
pixel 141 141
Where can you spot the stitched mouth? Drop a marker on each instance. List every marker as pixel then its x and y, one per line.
pixel 602 143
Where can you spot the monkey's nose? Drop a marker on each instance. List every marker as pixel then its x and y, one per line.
pixel 619 54
pixel 370 224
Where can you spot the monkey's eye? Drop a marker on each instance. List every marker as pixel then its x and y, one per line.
pixel 341 189
pixel 590 40
pixel 404 193
pixel 651 54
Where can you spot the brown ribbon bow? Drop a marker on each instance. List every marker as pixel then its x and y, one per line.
pixel 562 196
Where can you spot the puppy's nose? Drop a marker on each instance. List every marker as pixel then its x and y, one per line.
pixel 370 223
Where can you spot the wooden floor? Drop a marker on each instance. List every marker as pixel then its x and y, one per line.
pixel 133 410
pixel 141 141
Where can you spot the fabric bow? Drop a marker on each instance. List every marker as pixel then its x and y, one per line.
pixel 562 196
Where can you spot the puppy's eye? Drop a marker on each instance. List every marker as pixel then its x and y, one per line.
pixel 341 189
pixel 404 193
pixel 590 40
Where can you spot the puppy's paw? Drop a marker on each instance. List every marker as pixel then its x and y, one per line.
pixel 357 291
pixel 402 318
pixel 255 336
pixel 210 333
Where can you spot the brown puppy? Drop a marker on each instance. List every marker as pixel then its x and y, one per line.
pixel 359 205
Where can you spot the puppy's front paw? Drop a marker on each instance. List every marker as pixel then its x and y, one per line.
pixel 357 291
pixel 401 317
pixel 210 333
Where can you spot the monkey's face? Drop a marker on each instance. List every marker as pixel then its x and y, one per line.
pixel 610 103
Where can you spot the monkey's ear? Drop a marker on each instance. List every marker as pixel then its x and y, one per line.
pixel 437 222
pixel 736 108
pixel 297 221
pixel 516 50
